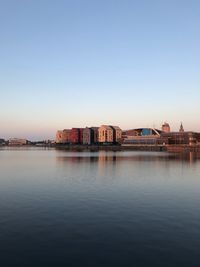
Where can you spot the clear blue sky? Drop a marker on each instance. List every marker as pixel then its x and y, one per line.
pixel 75 63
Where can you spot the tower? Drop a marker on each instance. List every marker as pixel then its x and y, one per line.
pixel 166 127
pixel 181 130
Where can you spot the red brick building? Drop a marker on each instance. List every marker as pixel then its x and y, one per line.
pixel 74 136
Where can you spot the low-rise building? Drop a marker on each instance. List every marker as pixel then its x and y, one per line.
pixel 141 136
pixel 182 138
pixel 151 136
pixel 17 142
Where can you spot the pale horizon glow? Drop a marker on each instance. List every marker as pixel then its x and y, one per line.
pixel 80 63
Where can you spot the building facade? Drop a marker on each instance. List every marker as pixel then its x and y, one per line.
pixel 141 136
pixel 63 136
pixel 17 142
pixel 81 135
pixel 90 135
pixel 94 135
pixel 76 136
pixel 181 138
pixel 117 134
pixel 105 134
pixel 87 133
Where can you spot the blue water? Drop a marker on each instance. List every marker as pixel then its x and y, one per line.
pixel 62 208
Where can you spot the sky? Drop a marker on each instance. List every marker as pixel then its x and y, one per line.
pixel 77 63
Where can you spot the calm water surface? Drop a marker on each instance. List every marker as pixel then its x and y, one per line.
pixel 62 208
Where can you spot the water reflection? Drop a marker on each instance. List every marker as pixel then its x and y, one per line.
pixel 99 208
pixel 107 164
pixel 104 157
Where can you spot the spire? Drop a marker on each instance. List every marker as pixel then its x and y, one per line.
pixel 181 128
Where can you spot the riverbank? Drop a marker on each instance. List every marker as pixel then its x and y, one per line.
pixel 164 148
pixel 109 148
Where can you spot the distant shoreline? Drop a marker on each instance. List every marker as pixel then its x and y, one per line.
pixel 161 148
pixel 109 148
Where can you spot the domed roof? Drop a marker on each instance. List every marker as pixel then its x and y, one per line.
pixel 165 124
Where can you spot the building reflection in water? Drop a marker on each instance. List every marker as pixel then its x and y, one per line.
pixel 104 158
pixel 106 161
pixel 104 166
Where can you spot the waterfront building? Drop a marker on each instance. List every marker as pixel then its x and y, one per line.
pixel 59 136
pixel 117 134
pixel 90 135
pixel 105 134
pixel 166 127
pixel 81 135
pixel 87 134
pixel 94 135
pixel 63 136
pixel 76 135
pixel 17 142
pixel 182 138
pixel 141 136
pixel 151 136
